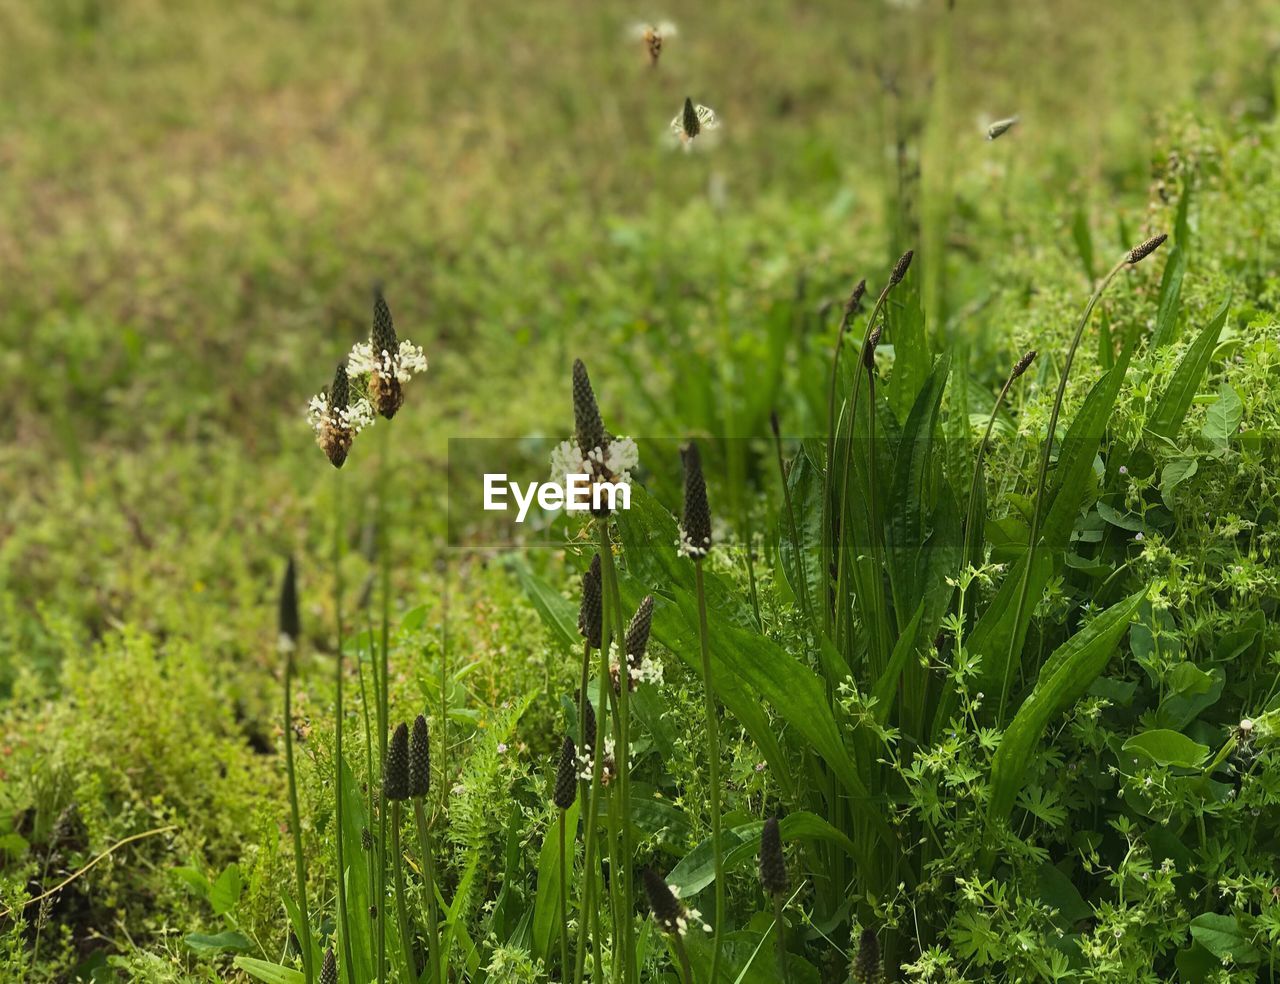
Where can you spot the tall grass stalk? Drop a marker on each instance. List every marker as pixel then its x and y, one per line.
pixel 402 908
pixel 613 601
pixel 713 754
pixel 289 642
pixel 344 925
pixel 895 278
pixel 1134 256
pixel 383 700
pixel 434 961
pixel 564 896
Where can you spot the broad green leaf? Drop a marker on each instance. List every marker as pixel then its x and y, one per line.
pixel 558 613
pixel 269 973
pixel 1125 521
pixel 1174 474
pixel 796 693
pixel 1222 936
pixel 225 892
pixel 1224 415
pixel 741 844
pixel 209 944
pixel 1186 679
pixel 1065 676
pixel 1165 747
pixel 546 907
pixel 1058 891
pixel 1176 400
pixel 194 879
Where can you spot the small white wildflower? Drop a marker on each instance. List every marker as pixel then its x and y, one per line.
pixel 649 671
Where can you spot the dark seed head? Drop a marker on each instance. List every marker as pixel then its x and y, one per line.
pixel 774 425
pixel 591 610
pixel 773 864
pixel 588 427
pixel 1143 250
pixel 866 965
pixel 384 331
pixel 340 393
pixel 566 776
pixel 690 120
pixel 329 968
pixel 855 298
pixel 1023 364
pixel 420 758
pixel 666 908
pixel 638 631
pixel 695 531
pixel 290 623
pixel 900 268
pixel 334 438
pixel 589 727
pixel 395 784
pixel 366 840
pixel 869 350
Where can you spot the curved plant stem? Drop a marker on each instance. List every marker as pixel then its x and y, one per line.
pixel 84 868
pixel 295 822
pixel 1041 478
pixel 713 755
pixel 970 518
pixel 344 925
pixel 429 885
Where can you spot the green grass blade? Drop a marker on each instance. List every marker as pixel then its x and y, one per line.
pixel 1176 400
pixel 1067 674
pixel 546 905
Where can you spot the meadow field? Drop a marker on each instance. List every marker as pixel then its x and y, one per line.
pixel 937 344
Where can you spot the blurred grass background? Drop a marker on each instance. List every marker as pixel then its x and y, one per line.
pixel 196 197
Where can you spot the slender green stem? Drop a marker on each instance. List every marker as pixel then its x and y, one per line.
pixel 686 972
pixel 384 561
pixel 402 908
pixel 971 518
pixel 586 796
pixel 833 385
pixel 564 904
pixel 1041 479
pixel 623 751
pixel 299 860
pixel 424 831
pixel 429 886
pixel 344 925
pixel 781 940
pixel 370 867
pixel 713 755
